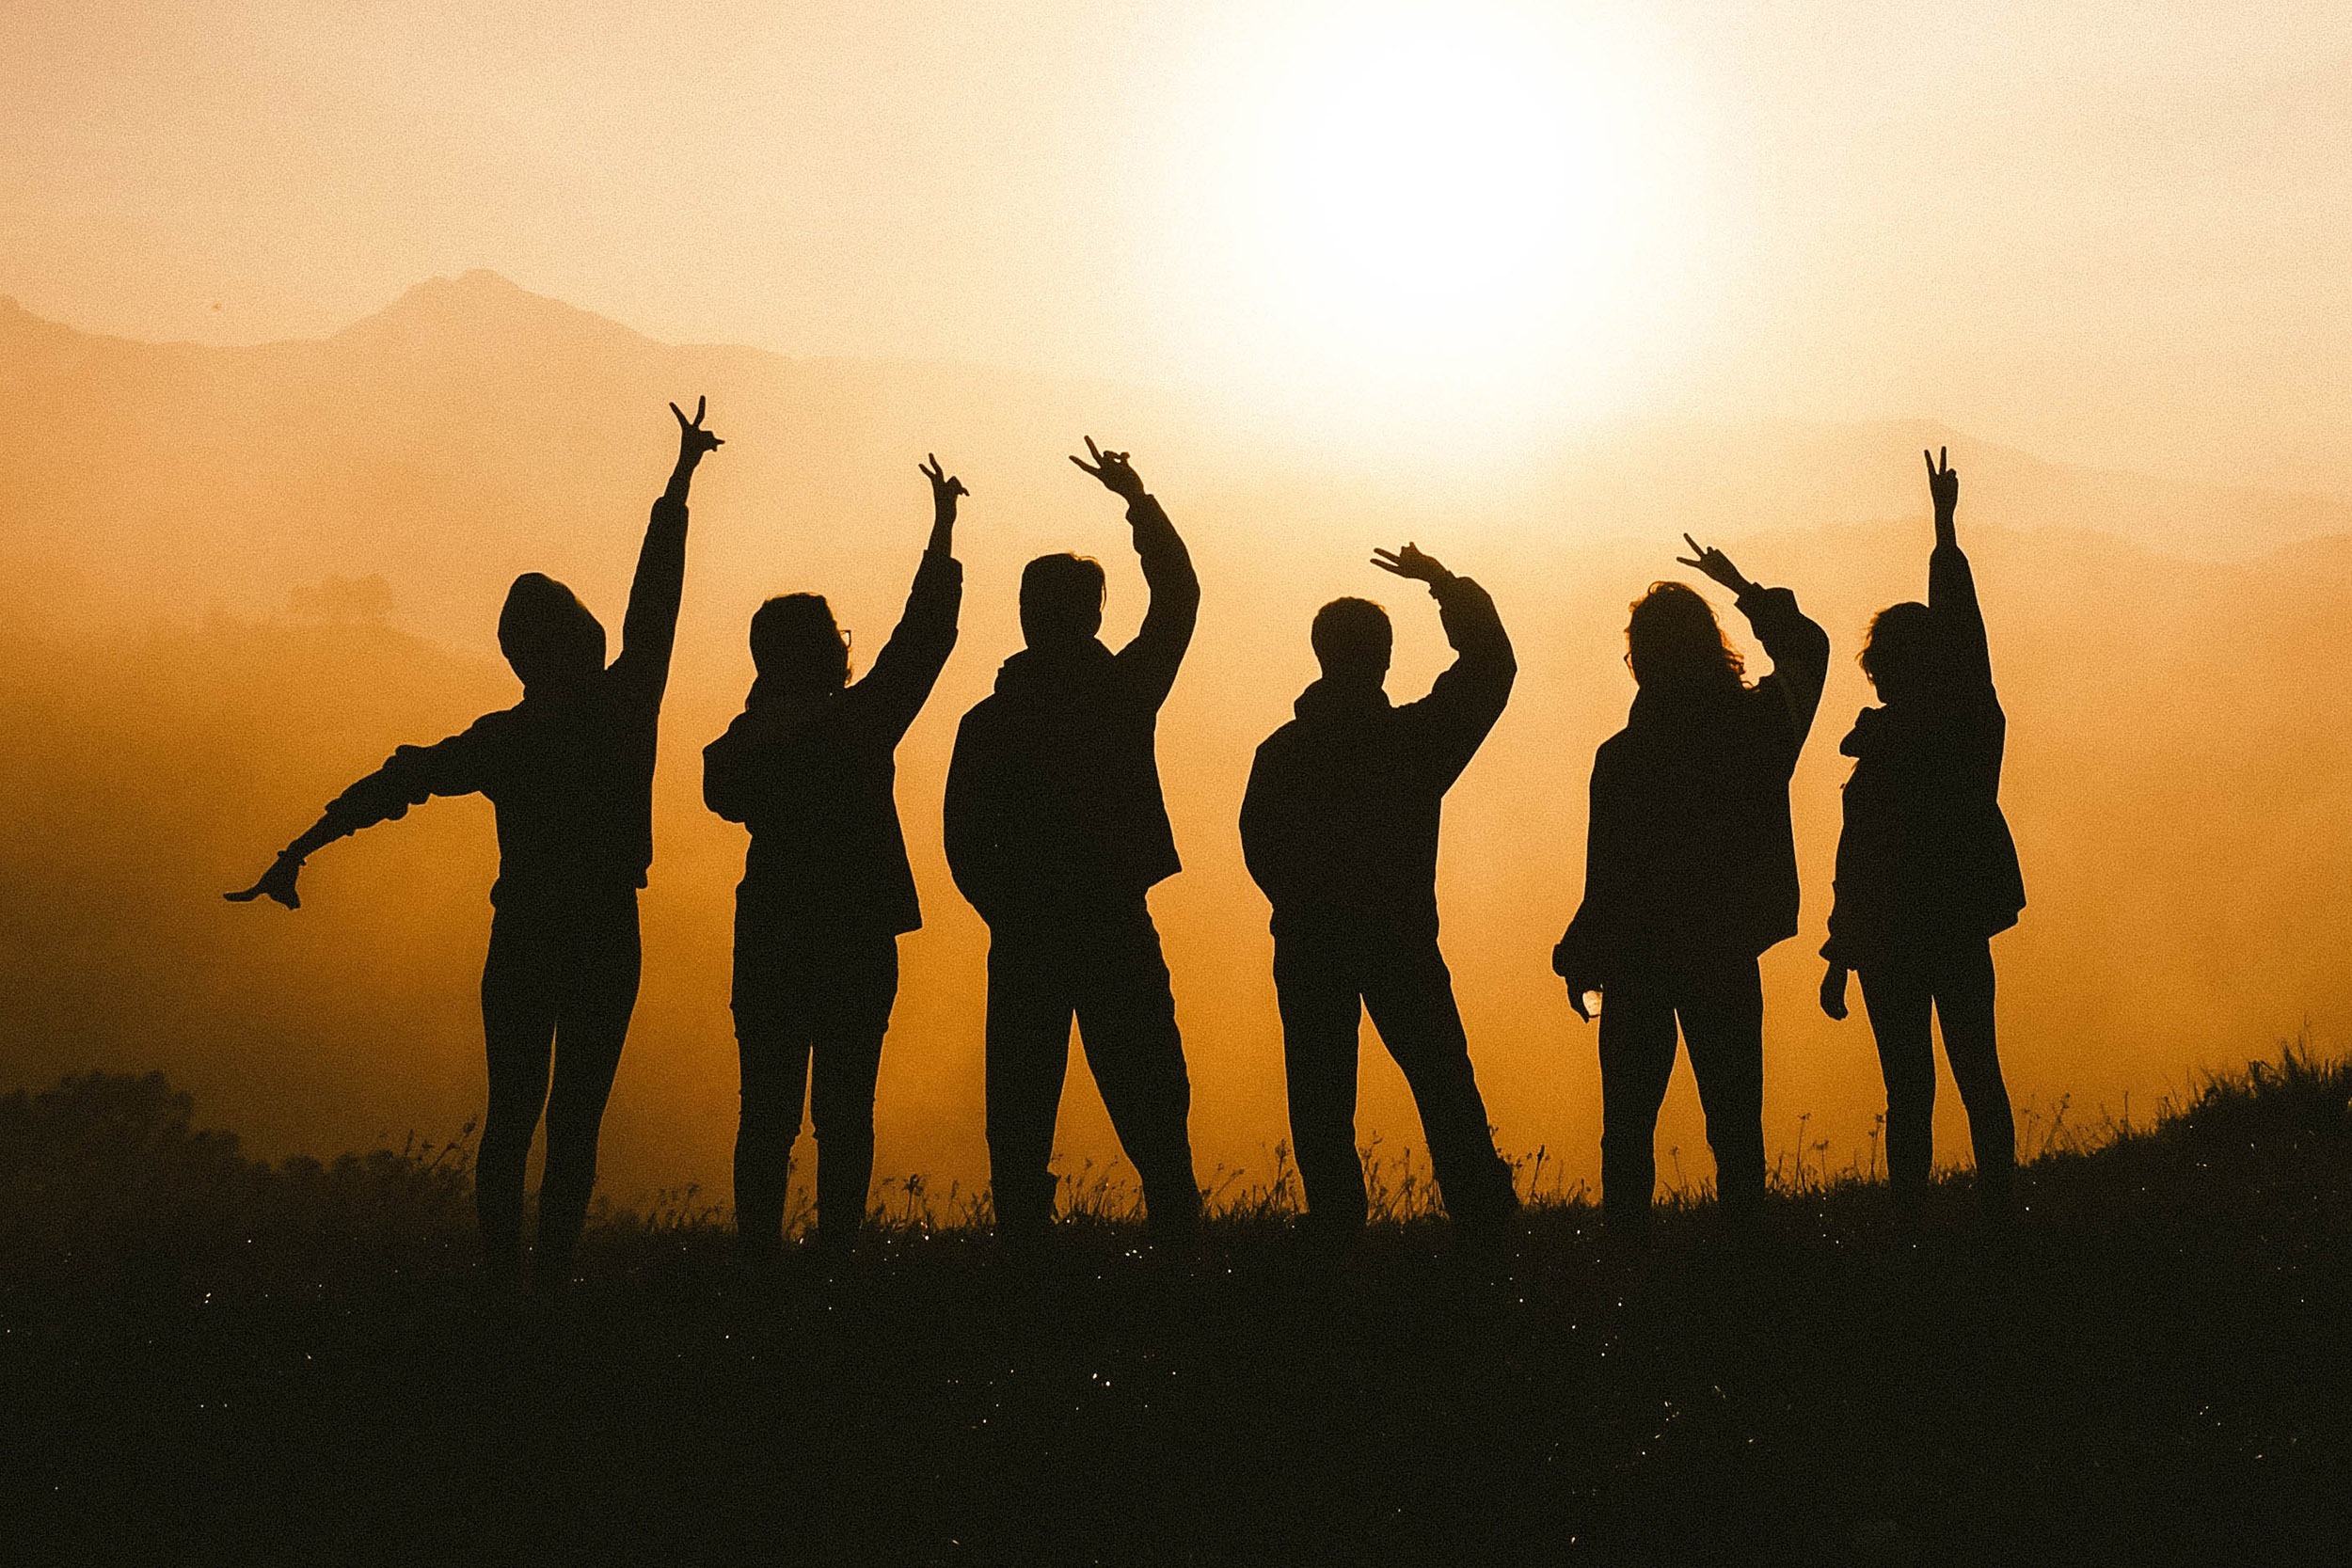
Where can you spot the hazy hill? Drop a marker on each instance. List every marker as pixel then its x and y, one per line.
pixel 237 577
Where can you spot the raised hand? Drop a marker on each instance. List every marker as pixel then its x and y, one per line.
pixel 1833 991
pixel 1942 483
pixel 1715 563
pixel 1118 475
pixel 277 883
pixel 693 440
pixel 1410 562
pixel 945 487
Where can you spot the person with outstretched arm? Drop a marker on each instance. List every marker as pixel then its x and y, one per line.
pixel 570 771
pixel 1340 829
pixel 1689 874
pixel 810 767
pixel 1055 832
pixel 1927 871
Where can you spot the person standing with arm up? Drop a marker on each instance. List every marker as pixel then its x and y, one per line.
pixel 1340 829
pixel 570 770
pixel 1689 874
pixel 1927 872
pixel 1056 832
pixel 810 766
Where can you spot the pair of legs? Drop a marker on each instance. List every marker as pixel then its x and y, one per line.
pixel 1954 980
pixel 810 1013
pixel 557 991
pixel 1326 980
pixel 1103 967
pixel 1720 1006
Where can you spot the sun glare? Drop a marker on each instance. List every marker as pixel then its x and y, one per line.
pixel 1421 201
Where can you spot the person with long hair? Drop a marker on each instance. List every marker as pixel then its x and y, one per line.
pixel 1927 871
pixel 810 767
pixel 570 770
pixel 1689 874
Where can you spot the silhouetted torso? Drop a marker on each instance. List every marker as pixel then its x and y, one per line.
pixel 1341 820
pixel 570 770
pixel 1690 854
pixel 1054 803
pixel 1926 854
pixel 814 776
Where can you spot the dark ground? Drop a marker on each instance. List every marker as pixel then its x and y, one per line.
pixel 203 1358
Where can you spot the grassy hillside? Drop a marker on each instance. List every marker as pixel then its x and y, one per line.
pixel 203 1354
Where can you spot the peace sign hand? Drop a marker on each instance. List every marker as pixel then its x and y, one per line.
pixel 693 440
pixel 1118 475
pixel 1410 562
pixel 1942 483
pixel 1715 563
pixel 945 487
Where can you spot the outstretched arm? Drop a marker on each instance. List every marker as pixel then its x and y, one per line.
pixel 1464 704
pixel 909 664
pixel 412 775
pixel 650 630
pixel 1798 646
pixel 1158 648
pixel 1952 586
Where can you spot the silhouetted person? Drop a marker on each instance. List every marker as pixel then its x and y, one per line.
pixel 570 770
pixel 810 766
pixel 1056 832
pixel 1927 871
pixel 1340 827
pixel 1689 874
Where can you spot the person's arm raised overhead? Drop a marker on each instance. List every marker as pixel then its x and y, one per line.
pixel 909 664
pixel 1798 646
pixel 1952 586
pixel 412 775
pixel 650 630
pixel 1158 649
pixel 1469 696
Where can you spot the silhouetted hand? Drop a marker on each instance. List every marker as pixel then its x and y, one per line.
pixel 693 440
pixel 1578 990
pixel 1833 991
pixel 1715 563
pixel 1118 475
pixel 1942 483
pixel 945 487
pixel 277 882
pixel 1410 562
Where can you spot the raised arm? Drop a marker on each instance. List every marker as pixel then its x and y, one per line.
pixel 410 776
pixel 1952 586
pixel 908 666
pixel 1798 648
pixel 650 630
pixel 1158 650
pixel 1464 704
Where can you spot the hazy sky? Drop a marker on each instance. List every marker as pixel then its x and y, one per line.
pixel 2107 232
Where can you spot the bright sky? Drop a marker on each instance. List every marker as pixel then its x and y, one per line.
pixel 2114 233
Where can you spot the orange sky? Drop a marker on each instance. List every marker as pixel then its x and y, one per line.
pixel 2108 233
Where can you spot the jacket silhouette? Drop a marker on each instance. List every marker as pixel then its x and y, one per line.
pixel 1055 830
pixel 1691 873
pixel 810 767
pixel 570 771
pixel 1340 829
pixel 1927 871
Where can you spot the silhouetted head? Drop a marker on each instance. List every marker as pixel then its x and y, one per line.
pixel 796 644
pixel 1673 642
pixel 547 635
pixel 1353 639
pixel 1899 652
pixel 1062 600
